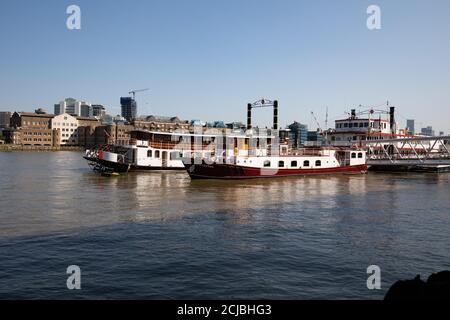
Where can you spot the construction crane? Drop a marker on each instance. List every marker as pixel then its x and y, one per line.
pixel 317 122
pixel 133 92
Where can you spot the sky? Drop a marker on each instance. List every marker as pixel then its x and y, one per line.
pixel 208 59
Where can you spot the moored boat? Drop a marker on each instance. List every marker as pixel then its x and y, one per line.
pixel 304 162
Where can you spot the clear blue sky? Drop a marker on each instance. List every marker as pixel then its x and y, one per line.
pixel 207 59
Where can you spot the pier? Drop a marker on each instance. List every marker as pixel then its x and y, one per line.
pixel 428 154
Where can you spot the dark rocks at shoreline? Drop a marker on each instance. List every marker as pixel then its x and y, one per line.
pixel 437 287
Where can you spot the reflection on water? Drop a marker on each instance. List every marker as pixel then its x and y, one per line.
pixel 48 192
pixel 289 237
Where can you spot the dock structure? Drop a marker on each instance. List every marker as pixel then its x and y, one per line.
pixel 426 154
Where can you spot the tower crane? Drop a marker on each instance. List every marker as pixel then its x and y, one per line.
pixel 317 122
pixel 133 92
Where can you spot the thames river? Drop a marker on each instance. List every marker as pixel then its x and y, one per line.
pixel 159 235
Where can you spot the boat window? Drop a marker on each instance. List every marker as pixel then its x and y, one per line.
pixel 360 155
pixel 149 153
pixel 156 153
pixel 293 163
pixel 266 163
pixel 353 155
pixel 280 164
pixel 306 163
pixel 318 163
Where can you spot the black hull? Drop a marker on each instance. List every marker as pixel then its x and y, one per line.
pixel 120 167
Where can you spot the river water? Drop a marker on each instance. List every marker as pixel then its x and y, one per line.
pixel 159 235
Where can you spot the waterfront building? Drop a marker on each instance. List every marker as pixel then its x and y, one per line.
pixel 236 125
pixel 314 138
pixel 128 107
pixel 66 127
pixel 5 119
pixel 160 123
pixel 298 134
pixel 31 129
pixel 428 131
pixel 31 120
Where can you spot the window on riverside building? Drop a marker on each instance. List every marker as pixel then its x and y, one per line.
pixel 280 164
pixel 318 163
pixel 176 155
pixel 266 163
pixel 293 163
pixel 149 153
pixel 157 154
pixel 306 163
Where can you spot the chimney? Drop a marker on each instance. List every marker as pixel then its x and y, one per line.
pixel 392 119
pixel 353 113
pixel 249 116
pixel 275 115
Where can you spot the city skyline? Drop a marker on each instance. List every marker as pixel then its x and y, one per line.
pixel 207 60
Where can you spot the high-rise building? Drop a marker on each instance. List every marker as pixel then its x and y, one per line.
pixel 98 111
pixel 410 126
pixel 129 108
pixel 74 107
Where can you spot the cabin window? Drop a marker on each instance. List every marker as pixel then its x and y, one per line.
pixel 360 155
pixel 306 163
pixel 280 164
pixel 293 163
pixel 318 163
pixel 353 155
pixel 156 153
pixel 149 153
pixel 266 163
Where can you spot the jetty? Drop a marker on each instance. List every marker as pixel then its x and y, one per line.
pixel 420 154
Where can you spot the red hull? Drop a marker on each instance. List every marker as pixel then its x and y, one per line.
pixel 229 171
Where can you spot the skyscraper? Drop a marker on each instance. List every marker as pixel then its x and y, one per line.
pixel 129 108
pixel 410 126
